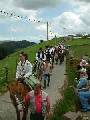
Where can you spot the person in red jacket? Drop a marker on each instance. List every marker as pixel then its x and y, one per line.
pixel 39 103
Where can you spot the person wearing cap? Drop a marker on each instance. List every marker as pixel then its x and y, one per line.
pixel 39 103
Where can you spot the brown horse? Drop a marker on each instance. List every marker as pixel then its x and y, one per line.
pixel 17 93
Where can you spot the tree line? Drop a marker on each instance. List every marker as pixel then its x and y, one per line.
pixel 9 47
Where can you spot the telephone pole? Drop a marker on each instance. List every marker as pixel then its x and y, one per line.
pixel 47 31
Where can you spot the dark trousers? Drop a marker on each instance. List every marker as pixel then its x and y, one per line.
pixel 36 116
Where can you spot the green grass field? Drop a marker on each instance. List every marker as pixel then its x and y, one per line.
pixel 80 47
pixel 78 42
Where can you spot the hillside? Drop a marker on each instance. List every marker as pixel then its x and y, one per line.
pixel 8 47
pixel 80 47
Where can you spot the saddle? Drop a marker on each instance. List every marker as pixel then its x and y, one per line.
pixel 31 81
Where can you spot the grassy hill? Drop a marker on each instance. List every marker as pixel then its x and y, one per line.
pixel 80 47
pixel 78 42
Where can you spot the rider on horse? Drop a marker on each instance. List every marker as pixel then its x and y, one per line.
pixel 24 67
pixel 24 71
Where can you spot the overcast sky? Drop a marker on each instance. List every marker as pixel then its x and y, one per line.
pixel 64 17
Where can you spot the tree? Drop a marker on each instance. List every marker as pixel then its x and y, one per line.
pixel 41 41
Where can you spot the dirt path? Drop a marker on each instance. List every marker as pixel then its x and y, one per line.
pixel 57 81
pixel 7 111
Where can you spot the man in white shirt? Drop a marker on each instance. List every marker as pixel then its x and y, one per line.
pixel 40 55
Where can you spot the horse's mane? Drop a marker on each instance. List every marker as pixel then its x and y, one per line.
pixel 16 87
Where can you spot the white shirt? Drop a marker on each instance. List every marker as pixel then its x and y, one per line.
pixel 51 50
pixel 24 69
pixel 40 57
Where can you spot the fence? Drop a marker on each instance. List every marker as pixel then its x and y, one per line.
pixel 3 76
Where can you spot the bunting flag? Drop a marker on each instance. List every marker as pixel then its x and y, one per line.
pixel 2 12
pixel 14 15
pixel 11 14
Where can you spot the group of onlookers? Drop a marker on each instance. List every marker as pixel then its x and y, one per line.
pixel 83 83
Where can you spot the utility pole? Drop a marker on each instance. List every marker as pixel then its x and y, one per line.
pixel 47 31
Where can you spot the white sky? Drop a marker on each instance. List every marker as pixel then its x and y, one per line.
pixel 64 17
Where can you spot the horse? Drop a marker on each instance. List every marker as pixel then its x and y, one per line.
pixel 17 92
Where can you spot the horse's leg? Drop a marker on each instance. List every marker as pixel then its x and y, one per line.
pixel 18 114
pixel 21 115
pixel 14 103
pixel 25 112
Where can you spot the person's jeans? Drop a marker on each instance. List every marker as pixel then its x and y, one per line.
pixel 84 97
pixel 46 79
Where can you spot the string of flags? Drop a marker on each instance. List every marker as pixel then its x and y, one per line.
pixel 12 14
pixel 2 12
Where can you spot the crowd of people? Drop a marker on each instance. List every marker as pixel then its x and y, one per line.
pixel 38 99
pixel 42 68
pixel 83 83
